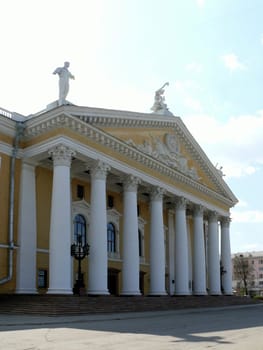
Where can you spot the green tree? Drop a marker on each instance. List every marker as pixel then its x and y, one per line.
pixel 243 272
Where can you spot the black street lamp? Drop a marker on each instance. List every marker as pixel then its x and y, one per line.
pixel 222 272
pixel 79 251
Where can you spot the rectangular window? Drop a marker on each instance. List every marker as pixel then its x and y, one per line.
pixel 80 191
pixel 110 201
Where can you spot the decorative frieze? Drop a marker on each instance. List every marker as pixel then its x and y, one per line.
pixel 167 152
pixel 180 173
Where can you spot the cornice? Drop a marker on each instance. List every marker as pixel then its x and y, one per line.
pixel 7 126
pixel 6 148
pixel 84 121
pixel 39 151
pixel 102 117
pixel 199 155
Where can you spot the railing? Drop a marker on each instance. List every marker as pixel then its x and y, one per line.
pixel 6 113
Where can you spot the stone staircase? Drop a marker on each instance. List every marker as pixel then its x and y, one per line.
pixel 55 305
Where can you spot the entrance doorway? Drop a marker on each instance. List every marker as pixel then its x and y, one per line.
pixel 142 274
pixel 113 281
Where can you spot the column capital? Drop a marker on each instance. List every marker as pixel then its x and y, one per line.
pixel 131 183
pixel 198 210
pixel 213 216
pixel 181 203
pixel 62 155
pixel 225 221
pixel 99 170
pixel 157 193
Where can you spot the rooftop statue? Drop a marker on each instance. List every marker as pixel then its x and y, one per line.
pixel 159 105
pixel 64 76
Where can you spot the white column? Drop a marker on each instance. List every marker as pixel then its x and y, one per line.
pixel 98 258
pixel 214 284
pixel 157 248
pixel 131 262
pixel 27 232
pixel 190 253
pixel 181 249
pixel 60 261
pixel 171 233
pixel 226 257
pixel 199 253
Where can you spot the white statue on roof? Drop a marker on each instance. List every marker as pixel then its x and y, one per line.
pixel 64 76
pixel 159 105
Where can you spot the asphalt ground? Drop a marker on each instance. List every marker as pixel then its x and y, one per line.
pixel 232 327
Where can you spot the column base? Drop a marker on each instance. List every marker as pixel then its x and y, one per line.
pixel 200 293
pixel 130 293
pixel 59 291
pixel 26 291
pixel 157 294
pixel 98 292
pixel 215 292
pixel 182 293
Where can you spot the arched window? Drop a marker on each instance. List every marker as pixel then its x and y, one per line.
pixel 111 233
pixel 80 229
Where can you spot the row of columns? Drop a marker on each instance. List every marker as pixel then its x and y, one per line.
pixel 60 261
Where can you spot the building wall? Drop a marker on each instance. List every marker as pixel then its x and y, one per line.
pixel 4 218
pixel 255 276
pixel 43 133
pixel 43 194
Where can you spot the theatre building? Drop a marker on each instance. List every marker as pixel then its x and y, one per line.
pixel 136 187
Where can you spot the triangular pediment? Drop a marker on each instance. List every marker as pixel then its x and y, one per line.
pixel 159 142
pixel 168 141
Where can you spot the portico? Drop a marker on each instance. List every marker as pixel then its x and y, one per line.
pixel 137 188
pixel 205 245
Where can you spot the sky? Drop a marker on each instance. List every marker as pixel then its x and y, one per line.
pixel 121 51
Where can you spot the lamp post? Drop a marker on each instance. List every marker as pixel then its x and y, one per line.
pixel 79 251
pixel 222 272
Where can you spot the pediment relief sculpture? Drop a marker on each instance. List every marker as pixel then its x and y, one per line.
pixel 167 152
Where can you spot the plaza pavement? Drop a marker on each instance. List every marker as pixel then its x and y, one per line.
pixel 232 327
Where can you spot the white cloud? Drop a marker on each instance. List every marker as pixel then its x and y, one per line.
pixel 194 67
pixel 232 62
pixel 185 85
pixel 193 103
pixel 247 240
pixel 241 204
pixel 250 247
pixel 185 90
pixel 236 144
pixel 200 3
pixel 249 216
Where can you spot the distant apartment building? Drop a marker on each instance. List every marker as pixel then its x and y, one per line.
pixel 248 273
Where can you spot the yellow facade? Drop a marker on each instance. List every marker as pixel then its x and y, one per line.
pixel 121 145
